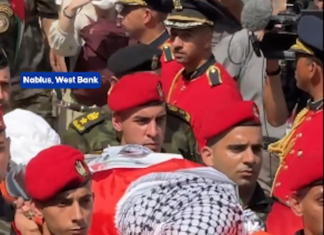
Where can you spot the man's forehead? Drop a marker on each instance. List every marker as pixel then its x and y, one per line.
pixel 247 134
pixel 150 111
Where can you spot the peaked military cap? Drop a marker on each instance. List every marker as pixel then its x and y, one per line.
pixel 3 59
pixel 157 5
pixel 310 37
pixel 192 13
pixel 134 58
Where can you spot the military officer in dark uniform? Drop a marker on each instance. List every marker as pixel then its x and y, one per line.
pixel 191 24
pixel 94 130
pixel 143 20
pixel 309 78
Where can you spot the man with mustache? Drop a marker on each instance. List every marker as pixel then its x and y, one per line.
pixel 58 182
pixel 191 24
pixel 138 64
pixel 230 138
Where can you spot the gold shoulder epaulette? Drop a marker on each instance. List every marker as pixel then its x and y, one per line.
pixel 88 120
pixel 179 112
pixel 167 52
pixel 6 12
pixel 214 76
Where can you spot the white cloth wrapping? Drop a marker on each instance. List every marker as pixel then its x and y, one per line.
pixel 128 156
pixel 29 134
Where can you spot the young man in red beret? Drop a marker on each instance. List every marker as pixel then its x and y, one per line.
pixel 231 142
pixel 59 184
pixel 306 177
pixel 146 109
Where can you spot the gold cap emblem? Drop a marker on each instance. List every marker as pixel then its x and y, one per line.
pixel 79 167
pixel 177 5
pixel 159 90
pixel 155 61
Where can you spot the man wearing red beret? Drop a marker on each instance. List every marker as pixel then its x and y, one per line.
pixel 59 184
pixel 231 142
pixel 306 201
pixel 306 175
pixel 146 107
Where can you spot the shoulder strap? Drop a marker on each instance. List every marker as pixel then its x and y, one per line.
pixel 179 112
pixel 88 120
pixel 167 52
pixel 214 76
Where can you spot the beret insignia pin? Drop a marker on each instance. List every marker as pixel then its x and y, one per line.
pixel 256 111
pixel 177 5
pixel 79 167
pixel 159 90
pixel 155 61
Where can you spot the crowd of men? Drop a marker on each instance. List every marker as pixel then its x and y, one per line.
pixel 176 141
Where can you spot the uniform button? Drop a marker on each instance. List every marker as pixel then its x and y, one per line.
pixel 299 135
pixel 285 167
pixel 287 196
pixel 292 151
pixel 278 184
pixel 308 118
pixel 300 153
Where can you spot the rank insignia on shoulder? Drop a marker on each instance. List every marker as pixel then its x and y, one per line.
pixel 214 76
pixel 84 122
pixel 179 112
pixel 167 52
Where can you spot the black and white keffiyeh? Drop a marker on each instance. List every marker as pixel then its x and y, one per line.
pixel 181 203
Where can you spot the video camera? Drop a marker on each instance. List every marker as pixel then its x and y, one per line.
pixel 281 31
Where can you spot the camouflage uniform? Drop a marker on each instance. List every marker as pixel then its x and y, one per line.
pixel 33 55
pixel 93 131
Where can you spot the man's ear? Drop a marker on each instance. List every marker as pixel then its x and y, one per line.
pixel 147 15
pixel 207 155
pixel 116 122
pixel 295 204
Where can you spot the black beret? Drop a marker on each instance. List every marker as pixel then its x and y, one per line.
pixel 134 58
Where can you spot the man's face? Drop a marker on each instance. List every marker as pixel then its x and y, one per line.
pixel 133 18
pixel 238 154
pixel 188 44
pixel 70 212
pixel 5 89
pixel 306 70
pixel 143 125
pixel 4 155
pixel 308 203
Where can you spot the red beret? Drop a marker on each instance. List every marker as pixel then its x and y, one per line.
pixel 2 124
pixel 55 170
pixel 308 168
pixel 134 90
pixel 226 116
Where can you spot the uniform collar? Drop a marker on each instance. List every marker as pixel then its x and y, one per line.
pixel 200 70
pixel 315 105
pixel 160 39
pixel 259 202
pixel 300 232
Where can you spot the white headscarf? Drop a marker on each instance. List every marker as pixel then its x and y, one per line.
pixel 29 134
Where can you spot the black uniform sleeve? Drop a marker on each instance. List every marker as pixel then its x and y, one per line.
pixel 47 9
